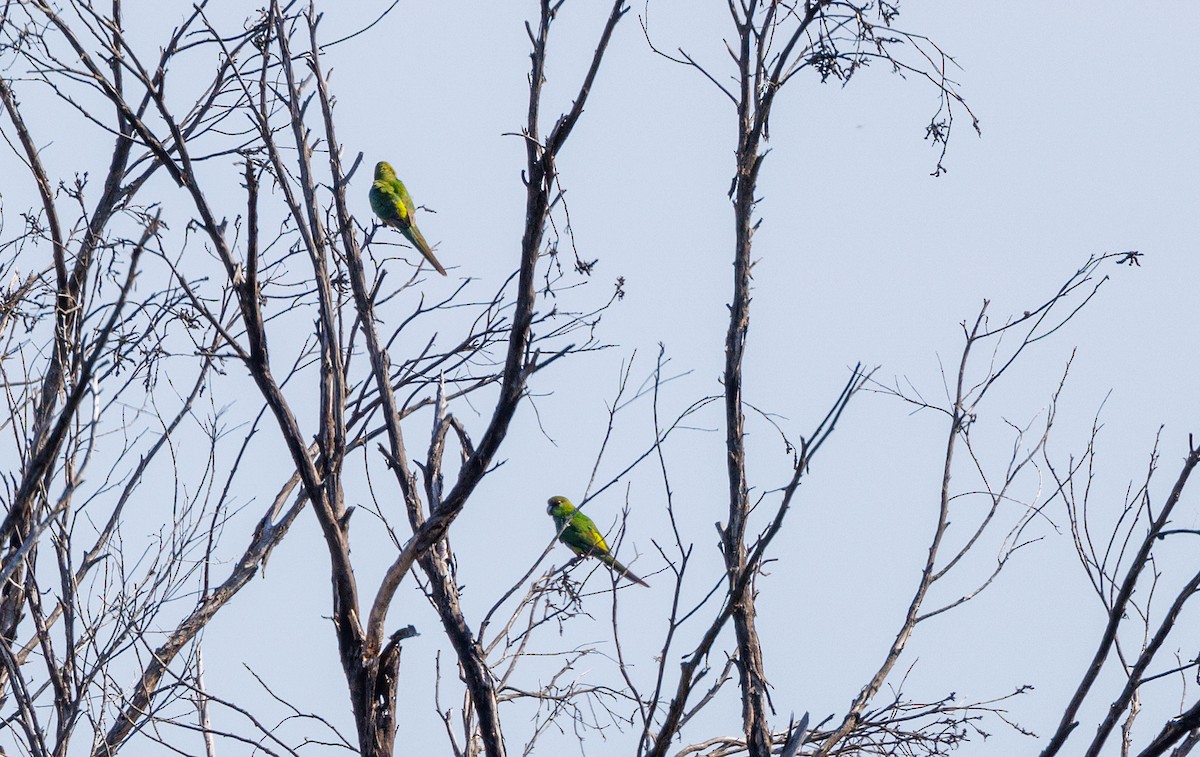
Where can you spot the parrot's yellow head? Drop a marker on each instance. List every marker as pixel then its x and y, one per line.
pixel 384 171
pixel 559 506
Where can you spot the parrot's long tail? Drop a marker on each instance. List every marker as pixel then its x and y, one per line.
pixel 616 565
pixel 414 236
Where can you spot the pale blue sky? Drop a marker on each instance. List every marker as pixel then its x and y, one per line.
pixel 1089 145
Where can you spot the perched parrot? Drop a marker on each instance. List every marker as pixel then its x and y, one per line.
pixel 578 532
pixel 390 201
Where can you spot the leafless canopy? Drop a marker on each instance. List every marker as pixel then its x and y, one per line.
pixel 219 257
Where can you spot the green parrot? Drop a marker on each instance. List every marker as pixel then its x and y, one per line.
pixel 390 201
pixel 578 532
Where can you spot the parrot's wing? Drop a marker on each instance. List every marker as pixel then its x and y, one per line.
pixel 388 205
pixel 582 536
pixel 584 539
pixel 390 201
pixel 405 200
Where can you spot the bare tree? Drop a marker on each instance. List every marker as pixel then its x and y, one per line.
pixel 220 256
pixel 1120 560
pixel 319 265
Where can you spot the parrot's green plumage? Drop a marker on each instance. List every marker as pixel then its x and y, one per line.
pixel 578 532
pixel 391 202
